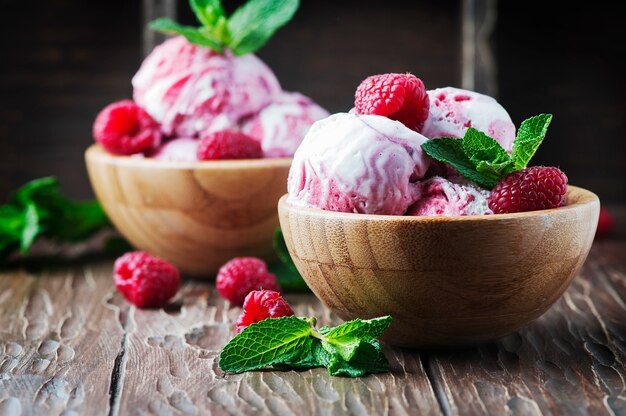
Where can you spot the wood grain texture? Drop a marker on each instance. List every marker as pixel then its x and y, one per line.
pixel 569 362
pixel 445 281
pixel 198 215
pixel 59 339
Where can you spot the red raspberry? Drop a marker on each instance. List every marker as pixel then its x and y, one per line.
pixel 400 97
pixel 260 305
pixel 228 144
pixel 145 280
pixel 605 223
pixel 242 275
pixel 124 128
pixel 530 189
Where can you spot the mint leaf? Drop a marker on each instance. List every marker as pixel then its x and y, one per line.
pixel 192 34
pixel 254 23
pixel 530 134
pixel 208 12
pixel 345 339
pixel 286 272
pixel 485 153
pixel 266 343
pixel 39 209
pixel 451 151
pixel 369 358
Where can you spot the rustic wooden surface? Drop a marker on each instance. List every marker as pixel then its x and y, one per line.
pixel 69 344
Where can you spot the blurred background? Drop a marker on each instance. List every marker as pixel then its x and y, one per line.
pixel 64 60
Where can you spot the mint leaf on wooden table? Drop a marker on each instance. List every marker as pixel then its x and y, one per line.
pixel 38 209
pixel 285 270
pixel 245 31
pixel 480 158
pixel 349 349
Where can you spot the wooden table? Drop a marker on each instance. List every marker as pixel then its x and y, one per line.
pixel 70 344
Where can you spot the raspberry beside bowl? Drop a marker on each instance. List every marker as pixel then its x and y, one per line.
pixel 197 215
pixel 446 281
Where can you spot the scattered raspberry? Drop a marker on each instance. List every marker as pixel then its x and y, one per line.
pixel 530 189
pixel 260 305
pixel 145 280
pixel 400 97
pixel 242 275
pixel 228 144
pixel 124 128
pixel 605 223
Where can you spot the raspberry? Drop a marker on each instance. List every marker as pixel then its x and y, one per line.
pixel 400 97
pixel 145 280
pixel 606 223
pixel 124 128
pixel 228 144
pixel 242 275
pixel 260 305
pixel 530 189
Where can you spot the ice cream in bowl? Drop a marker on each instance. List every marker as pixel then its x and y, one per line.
pixel 191 168
pixel 421 205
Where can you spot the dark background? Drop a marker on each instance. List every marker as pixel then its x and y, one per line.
pixel 63 60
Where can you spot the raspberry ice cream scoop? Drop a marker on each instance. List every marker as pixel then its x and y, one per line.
pixel 281 126
pixel 443 197
pixel 358 163
pixel 453 111
pixel 183 149
pixel 191 89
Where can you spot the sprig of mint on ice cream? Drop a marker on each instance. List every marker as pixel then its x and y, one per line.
pixel 481 159
pixel 243 32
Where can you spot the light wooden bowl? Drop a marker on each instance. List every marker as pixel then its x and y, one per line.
pixel 445 281
pixel 197 215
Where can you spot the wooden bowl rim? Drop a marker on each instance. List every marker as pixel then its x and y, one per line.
pixel 581 198
pixel 96 152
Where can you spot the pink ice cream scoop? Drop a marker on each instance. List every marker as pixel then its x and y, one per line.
pixel 183 149
pixel 454 110
pixel 443 197
pixel 191 89
pixel 281 126
pixel 358 163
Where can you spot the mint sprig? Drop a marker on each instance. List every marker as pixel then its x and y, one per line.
pixel 481 159
pixel 245 31
pixel 350 349
pixel 38 209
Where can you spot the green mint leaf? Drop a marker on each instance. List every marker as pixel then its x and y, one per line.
pixel 192 34
pixel 450 150
pixel 286 272
pixel 345 339
pixel 31 227
pixel 530 134
pixel 266 343
pixel 369 358
pixel 254 23
pixel 208 12
pixel 485 153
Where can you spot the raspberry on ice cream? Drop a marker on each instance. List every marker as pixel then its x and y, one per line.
pixel 124 128
pixel 454 110
pixel 191 89
pixel 529 189
pixel 281 126
pixel 145 280
pixel 260 305
pixel 228 144
pixel 358 163
pixel 400 97
pixel 443 197
pixel 241 275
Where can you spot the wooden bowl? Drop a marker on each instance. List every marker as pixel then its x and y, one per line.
pixel 446 281
pixel 197 215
